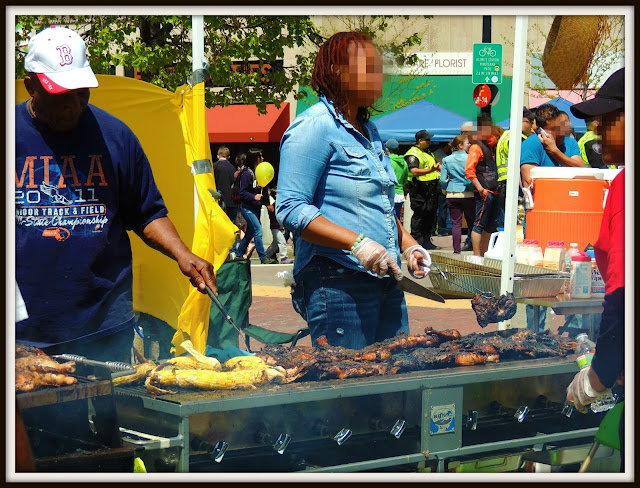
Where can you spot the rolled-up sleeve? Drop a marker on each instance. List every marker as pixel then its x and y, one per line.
pixel 304 155
pixel 473 158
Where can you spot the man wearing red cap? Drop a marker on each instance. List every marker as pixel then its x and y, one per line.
pixel 82 181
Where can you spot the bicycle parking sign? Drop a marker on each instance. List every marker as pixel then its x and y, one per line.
pixel 487 64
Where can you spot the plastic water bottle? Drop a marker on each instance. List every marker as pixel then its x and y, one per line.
pixel 573 251
pixel 585 349
pixel 286 277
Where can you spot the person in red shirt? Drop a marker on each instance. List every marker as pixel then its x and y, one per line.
pixel 482 171
pixel 607 366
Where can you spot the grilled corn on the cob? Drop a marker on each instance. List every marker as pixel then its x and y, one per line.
pixel 190 362
pixel 244 362
pixel 211 380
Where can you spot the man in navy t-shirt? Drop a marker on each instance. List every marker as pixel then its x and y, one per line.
pixel 82 180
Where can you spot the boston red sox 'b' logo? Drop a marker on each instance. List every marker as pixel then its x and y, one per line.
pixel 65 54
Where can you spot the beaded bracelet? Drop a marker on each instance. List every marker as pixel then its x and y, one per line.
pixel 358 241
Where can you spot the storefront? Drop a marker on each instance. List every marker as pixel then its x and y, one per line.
pixel 240 127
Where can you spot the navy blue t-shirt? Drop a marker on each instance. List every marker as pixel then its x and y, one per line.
pixel 76 195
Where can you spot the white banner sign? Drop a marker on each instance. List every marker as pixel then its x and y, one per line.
pixel 460 63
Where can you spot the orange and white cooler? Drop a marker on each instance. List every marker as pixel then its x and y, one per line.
pixel 567 204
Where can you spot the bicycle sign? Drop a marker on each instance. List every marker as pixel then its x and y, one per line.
pixel 487 64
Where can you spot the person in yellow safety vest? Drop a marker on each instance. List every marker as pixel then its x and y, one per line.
pixel 502 158
pixel 590 147
pixel 424 174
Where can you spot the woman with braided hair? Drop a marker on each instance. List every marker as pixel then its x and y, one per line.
pixel 336 193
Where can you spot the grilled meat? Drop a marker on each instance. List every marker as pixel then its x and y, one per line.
pixel 35 369
pixel 444 335
pixel 350 369
pixel 492 310
pixel 435 349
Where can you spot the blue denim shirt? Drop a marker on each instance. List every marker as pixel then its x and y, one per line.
pixel 452 176
pixel 328 168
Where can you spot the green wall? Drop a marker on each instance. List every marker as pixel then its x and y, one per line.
pixel 454 93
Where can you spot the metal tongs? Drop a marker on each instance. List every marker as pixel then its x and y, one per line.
pixel 469 288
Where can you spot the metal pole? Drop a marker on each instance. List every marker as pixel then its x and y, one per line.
pixel 513 163
pixel 197 62
pixel 486 37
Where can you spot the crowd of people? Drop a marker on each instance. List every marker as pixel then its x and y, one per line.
pixel 340 194
pixel 472 173
pixel 244 207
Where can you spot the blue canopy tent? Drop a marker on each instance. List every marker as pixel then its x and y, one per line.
pixel 402 124
pixel 579 125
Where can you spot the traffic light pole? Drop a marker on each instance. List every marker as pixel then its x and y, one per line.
pixel 486 38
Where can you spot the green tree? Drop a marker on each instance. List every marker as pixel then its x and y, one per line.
pixel 160 48
pixel 398 37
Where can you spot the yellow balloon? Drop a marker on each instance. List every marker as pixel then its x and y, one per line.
pixel 264 173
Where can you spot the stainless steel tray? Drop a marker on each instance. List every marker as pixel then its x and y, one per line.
pixel 478 265
pixel 523 286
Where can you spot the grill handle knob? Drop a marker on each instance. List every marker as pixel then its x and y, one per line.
pixel 342 436
pixel 521 413
pixel 471 420
pixel 567 409
pixel 281 443
pixel 219 451
pixel 398 428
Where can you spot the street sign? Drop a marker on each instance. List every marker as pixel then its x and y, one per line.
pixel 482 95
pixel 487 64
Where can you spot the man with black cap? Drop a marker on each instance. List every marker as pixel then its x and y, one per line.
pixel 607 366
pixel 82 181
pixel 425 175
pixel 502 158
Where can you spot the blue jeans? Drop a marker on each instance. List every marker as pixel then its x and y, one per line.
pixel 232 213
pixel 351 308
pixel 487 209
pixel 398 209
pixel 254 231
pixel 541 319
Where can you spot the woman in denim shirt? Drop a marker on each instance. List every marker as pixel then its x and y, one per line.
pixel 459 189
pixel 336 192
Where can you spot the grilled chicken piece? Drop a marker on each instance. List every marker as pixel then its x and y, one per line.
pixel 492 310
pixel 444 335
pixel 34 369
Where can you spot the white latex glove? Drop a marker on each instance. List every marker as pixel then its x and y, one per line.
pixel 374 257
pixel 580 392
pixel 418 261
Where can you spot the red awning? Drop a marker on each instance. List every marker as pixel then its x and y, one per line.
pixel 243 123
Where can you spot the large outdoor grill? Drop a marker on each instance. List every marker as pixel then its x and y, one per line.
pixel 75 428
pixel 439 420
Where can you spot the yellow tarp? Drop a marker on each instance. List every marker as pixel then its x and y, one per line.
pixel 214 232
pixel 157 117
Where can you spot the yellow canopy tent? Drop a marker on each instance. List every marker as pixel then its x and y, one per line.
pixel 171 139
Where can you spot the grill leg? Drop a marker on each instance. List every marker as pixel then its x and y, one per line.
pixel 183 460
